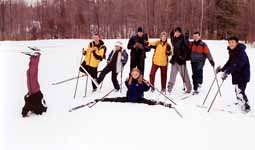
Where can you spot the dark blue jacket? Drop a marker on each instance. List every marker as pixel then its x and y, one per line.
pixel 124 55
pixel 238 65
pixel 136 90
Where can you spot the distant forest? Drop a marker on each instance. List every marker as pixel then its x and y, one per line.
pixel 49 19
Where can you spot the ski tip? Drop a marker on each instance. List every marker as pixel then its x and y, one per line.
pixel 34 48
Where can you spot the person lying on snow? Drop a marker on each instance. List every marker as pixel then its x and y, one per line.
pixel 136 87
pixel 115 63
pixel 239 67
pixel 34 101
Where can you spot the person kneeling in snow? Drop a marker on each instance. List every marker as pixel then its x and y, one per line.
pixel 136 87
pixel 115 63
pixel 34 101
pixel 239 67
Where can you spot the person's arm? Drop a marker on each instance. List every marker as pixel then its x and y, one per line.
pixel 110 56
pixel 99 54
pixel 227 64
pixel 145 86
pixel 126 83
pixel 124 57
pixel 169 51
pixel 153 44
pixel 131 43
pixel 208 55
pixel 146 42
pixel 187 50
pixel 88 49
pixel 238 63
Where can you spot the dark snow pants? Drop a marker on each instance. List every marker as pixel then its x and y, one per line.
pixel 240 92
pixel 104 72
pixel 197 73
pixel 91 70
pixel 141 101
pixel 137 61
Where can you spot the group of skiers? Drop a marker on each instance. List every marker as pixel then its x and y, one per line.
pixel 180 50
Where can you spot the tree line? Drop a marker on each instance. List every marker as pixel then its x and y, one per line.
pixel 48 19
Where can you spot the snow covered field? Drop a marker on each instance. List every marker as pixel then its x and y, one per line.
pixel 114 126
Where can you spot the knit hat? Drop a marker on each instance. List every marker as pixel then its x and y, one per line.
pixel 118 43
pixel 178 29
pixel 140 29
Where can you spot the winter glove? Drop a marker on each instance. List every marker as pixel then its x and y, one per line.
pixel 147 82
pixel 224 76
pixel 122 58
pixel 212 63
pixel 84 51
pixel 218 69
pixel 138 45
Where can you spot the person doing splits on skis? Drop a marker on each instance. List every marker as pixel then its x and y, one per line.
pixel 93 55
pixel 115 63
pixel 160 59
pixel 239 67
pixel 34 101
pixel 136 87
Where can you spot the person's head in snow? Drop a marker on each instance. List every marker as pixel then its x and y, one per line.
pixel 34 101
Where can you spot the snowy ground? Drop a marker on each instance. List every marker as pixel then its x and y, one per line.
pixel 110 125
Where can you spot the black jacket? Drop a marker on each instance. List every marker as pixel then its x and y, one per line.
pixel 138 51
pixel 181 50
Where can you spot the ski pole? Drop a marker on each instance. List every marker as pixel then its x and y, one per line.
pixel 90 77
pixel 101 84
pixel 76 86
pixel 70 79
pixel 217 81
pixel 121 78
pixel 81 106
pixel 178 113
pixel 183 76
pixel 215 97
pixel 95 102
pixel 160 92
pixel 86 86
pixel 208 91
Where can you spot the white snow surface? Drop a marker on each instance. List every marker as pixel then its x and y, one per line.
pixel 115 126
